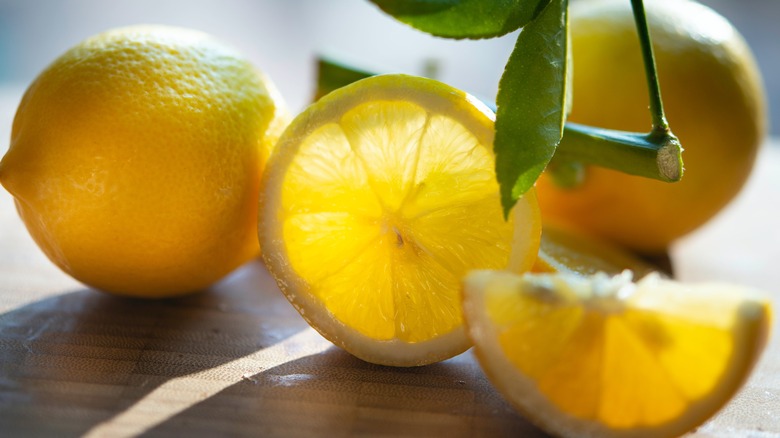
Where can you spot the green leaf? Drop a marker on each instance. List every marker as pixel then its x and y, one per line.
pixel 531 102
pixel 463 18
pixel 332 75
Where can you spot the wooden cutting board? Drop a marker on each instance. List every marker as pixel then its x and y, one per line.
pixel 237 360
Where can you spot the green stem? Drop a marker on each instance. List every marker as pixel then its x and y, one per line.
pixel 656 155
pixel 656 103
pixel 648 155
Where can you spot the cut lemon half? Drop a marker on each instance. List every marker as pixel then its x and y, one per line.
pixel 603 356
pixel 377 201
pixel 566 250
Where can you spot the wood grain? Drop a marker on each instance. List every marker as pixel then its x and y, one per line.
pixel 237 360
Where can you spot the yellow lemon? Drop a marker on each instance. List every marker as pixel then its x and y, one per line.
pixel 715 104
pixel 377 200
pixel 603 356
pixel 136 157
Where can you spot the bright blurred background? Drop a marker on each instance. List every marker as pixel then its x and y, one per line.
pixel 283 37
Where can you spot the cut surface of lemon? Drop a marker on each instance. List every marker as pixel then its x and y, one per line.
pixel 566 250
pixel 378 200
pixel 604 356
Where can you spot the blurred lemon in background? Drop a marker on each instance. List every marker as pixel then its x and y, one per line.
pixel 714 99
pixel 136 157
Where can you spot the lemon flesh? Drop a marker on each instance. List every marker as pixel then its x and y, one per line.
pixel 566 250
pixel 380 198
pixel 601 356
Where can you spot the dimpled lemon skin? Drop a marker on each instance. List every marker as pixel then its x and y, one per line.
pixel 714 100
pixel 136 157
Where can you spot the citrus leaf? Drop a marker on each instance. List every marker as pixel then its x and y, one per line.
pixel 531 102
pixel 332 75
pixel 463 18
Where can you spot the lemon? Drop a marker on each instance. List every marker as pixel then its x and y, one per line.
pixel 136 157
pixel 566 250
pixel 714 100
pixel 603 356
pixel 377 200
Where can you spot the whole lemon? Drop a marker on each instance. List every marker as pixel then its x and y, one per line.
pixel 135 160
pixel 714 100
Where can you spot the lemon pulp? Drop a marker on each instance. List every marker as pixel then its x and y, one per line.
pixel 374 208
pixel 379 199
pixel 564 249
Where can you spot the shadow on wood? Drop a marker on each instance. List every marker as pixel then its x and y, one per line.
pixel 332 393
pixel 73 361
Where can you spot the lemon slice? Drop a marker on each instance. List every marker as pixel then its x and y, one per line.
pixel 564 249
pixel 378 200
pixel 603 356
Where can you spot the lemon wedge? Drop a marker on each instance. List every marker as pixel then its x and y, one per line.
pixel 604 356
pixel 565 249
pixel 379 198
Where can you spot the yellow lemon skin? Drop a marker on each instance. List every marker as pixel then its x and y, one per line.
pixel 714 99
pixel 136 157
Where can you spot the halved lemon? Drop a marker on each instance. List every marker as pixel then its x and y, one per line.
pixel 566 250
pixel 604 356
pixel 377 201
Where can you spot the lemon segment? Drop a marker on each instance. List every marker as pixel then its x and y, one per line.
pixel 380 198
pixel 327 176
pixel 607 357
pixel 565 249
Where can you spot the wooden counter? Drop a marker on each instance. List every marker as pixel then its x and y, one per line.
pixel 238 360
